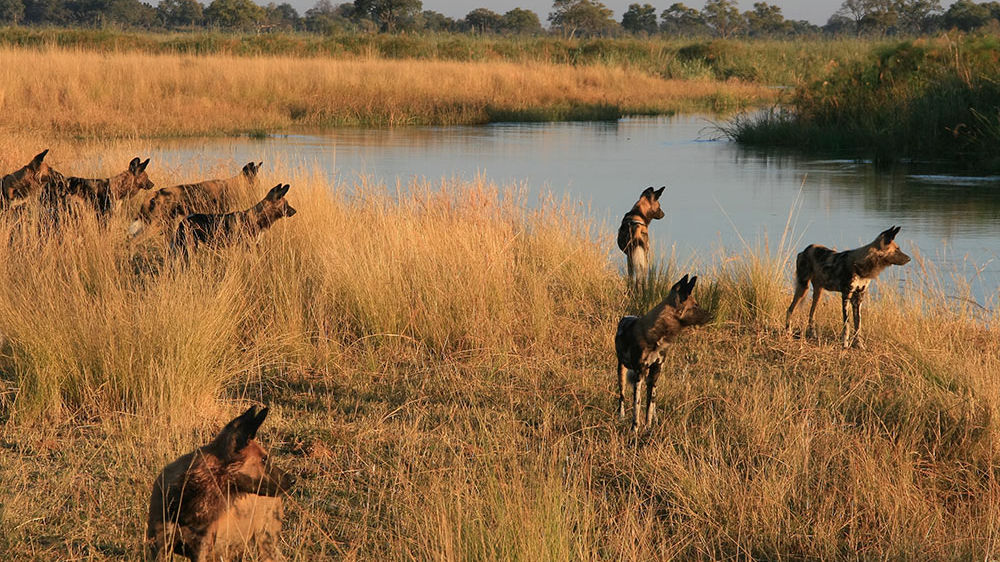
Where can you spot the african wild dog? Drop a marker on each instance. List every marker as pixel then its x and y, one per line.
pixel 219 500
pixel 633 234
pixel 103 194
pixel 848 273
pixel 209 228
pixel 210 196
pixel 33 178
pixel 641 342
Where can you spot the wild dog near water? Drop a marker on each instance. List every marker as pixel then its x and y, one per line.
pixel 633 234
pixel 32 178
pixel 102 194
pixel 848 273
pixel 202 228
pixel 641 343
pixel 220 500
pixel 210 196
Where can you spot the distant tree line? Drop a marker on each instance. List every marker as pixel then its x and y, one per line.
pixel 718 18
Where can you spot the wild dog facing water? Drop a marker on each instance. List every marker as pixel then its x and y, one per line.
pixel 633 234
pixel 220 500
pixel 32 178
pixel 221 228
pixel 641 342
pixel 848 273
pixel 210 196
pixel 104 194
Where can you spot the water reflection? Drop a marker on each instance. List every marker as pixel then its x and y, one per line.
pixel 717 192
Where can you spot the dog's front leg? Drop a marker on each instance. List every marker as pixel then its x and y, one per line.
pixel 845 333
pixel 856 307
pixel 637 397
pixel 622 384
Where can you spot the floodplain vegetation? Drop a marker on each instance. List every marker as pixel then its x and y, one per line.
pixel 929 99
pixel 70 93
pixel 439 364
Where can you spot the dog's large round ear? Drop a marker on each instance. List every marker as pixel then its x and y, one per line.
pixel 889 234
pixel 648 192
pixel 36 162
pixel 690 285
pixel 238 432
pixel 277 192
pixel 133 166
pixel 657 193
pixel 679 286
pixel 142 166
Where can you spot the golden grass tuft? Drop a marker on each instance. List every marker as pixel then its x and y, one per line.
pixel 440 369
pixel 67 93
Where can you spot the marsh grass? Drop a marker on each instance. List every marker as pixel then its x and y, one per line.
pixel 439 364
pixel 65 94
pixel 926 99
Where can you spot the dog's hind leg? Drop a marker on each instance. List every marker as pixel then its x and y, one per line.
pixel 622 385
pixel 845 334
pixel 811 326
pixel 800 291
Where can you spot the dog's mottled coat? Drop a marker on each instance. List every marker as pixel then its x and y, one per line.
pixel 210 196
pixel 32 179
pixel 103 194
pixel 642 341
pixel 849 273
pixel 203 228
pixel 219 501
pixel 633 234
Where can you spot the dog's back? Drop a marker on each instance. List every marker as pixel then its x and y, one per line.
pixel 209 196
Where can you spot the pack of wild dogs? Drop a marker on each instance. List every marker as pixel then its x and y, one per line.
pixel 224 500
pixel 190 214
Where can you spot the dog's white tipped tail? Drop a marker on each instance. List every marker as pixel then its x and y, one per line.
pixel 135 228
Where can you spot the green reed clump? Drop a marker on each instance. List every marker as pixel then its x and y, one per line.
pixel 926 99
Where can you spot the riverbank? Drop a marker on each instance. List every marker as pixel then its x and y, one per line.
pixel 440 371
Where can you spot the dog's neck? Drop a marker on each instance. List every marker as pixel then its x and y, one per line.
pixel 871 263
pixel 639 212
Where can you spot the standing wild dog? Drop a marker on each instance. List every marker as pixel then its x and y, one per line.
pixel 219 500
pixel 210 196
pixel 211 228
pixel 848 273
pixel 34 177
pixel 633 234
pixel 641 342
pixel 104 194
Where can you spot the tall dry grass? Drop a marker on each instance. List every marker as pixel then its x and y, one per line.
pixel 68 93
pixel 440 369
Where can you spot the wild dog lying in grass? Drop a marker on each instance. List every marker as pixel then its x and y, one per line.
pixel 220 500
pixel 641 342
pixel 633 234
pixel 210 196
pixel 33 178
pixel 104 194
pixel 211 228
pixel 848 272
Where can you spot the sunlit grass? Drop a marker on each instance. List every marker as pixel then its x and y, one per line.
pixel 440 367
pixel 66 93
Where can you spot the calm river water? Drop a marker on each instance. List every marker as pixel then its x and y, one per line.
pixel 718 194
